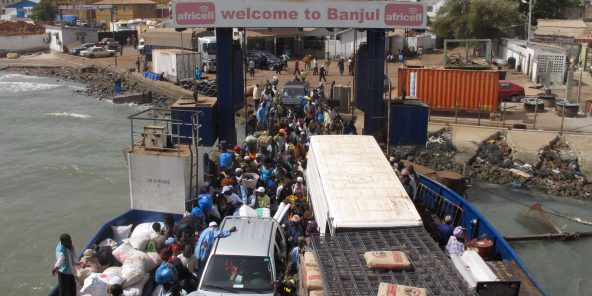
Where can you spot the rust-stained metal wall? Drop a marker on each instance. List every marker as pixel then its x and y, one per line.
pixel 441 89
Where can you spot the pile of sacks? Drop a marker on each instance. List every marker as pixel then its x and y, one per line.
pixel 134 272
pixel 311 275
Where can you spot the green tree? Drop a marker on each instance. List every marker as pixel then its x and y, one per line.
pixel 477 19
pixel 547 9
pixel 43 12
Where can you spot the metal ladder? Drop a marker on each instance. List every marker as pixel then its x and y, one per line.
pixel 193 183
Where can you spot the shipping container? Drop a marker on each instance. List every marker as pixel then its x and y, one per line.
pixel 175 64
pixel 208 129
pixel 408 123
pixel 444 89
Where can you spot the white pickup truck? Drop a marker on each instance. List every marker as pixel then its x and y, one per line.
pixel 97 52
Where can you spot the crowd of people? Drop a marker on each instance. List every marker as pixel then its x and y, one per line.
pixel 261 173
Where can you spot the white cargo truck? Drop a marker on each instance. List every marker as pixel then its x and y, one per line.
pixel 351 186
pixel 175 64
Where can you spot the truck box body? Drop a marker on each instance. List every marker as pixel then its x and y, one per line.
pixel 162 38
pixel 176 64
pixel 442 89
pixel 352 186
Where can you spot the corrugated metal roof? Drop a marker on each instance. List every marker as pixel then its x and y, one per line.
pixel 561 23
pixel 22 4
pixel 562 28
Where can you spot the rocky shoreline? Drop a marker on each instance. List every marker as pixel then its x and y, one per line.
pixel 556 173
pixel 99 82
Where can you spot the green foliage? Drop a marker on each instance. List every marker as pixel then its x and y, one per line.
pixel 464 19
pixel 43 12
pixel 548 9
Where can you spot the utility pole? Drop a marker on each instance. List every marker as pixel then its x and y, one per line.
pixel 528 33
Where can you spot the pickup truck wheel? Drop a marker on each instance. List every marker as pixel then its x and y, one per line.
pixel 516 99
pixel 271 67
pixel 111 54
pixel 92 56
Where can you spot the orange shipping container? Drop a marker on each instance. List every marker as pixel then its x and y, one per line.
pixel 441 89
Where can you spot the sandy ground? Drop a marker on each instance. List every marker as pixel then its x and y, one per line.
pixel 515 113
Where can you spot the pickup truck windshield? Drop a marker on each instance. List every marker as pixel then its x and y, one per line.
pixel 210 48
pixel 294 92
pixel 238 273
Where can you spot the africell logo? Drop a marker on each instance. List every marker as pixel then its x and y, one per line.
pixel 408 15
pixel 195 13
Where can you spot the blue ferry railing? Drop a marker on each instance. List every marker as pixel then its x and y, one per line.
pixel 134 217
pixel 470 218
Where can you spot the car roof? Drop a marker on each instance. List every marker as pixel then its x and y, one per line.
pixel 295 84
pixel 251 238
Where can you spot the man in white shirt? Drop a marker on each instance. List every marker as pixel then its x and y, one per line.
pixel 231 197
pixel 188 259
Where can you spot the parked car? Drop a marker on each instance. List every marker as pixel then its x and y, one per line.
pixel 97 52
pixel 256 253
pixel 110 43
pixel 272 60
pixel 85 46
pixel 263 60
pixel 510 92
pixel 293 91
pixel 141 45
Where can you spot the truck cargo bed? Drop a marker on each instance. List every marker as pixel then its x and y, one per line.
pixel 344 271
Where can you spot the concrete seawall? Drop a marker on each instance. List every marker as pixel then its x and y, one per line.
pixel 525 144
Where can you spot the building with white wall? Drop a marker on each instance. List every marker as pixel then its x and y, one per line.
pixel 532 58
pixel 18 10
pixel 60 37
pixel 342 43
pixel 432 7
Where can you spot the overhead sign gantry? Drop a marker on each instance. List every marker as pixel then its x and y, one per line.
pixel 373 16
pixel 283 14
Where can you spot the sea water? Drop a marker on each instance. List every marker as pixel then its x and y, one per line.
pixel 562 267
pixel 62 169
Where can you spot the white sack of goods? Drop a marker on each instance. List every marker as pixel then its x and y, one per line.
pixel 310 259
pixel 152 261
pixel 138 288
pixel 387 260
pixel 141 235
pixel 386 289
pixel 119 233
pixel 313 278
pixel 97 284
pixel 88 265
pixel 132 271
pixel 316 293
pixel 113 270
pixel 125 251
